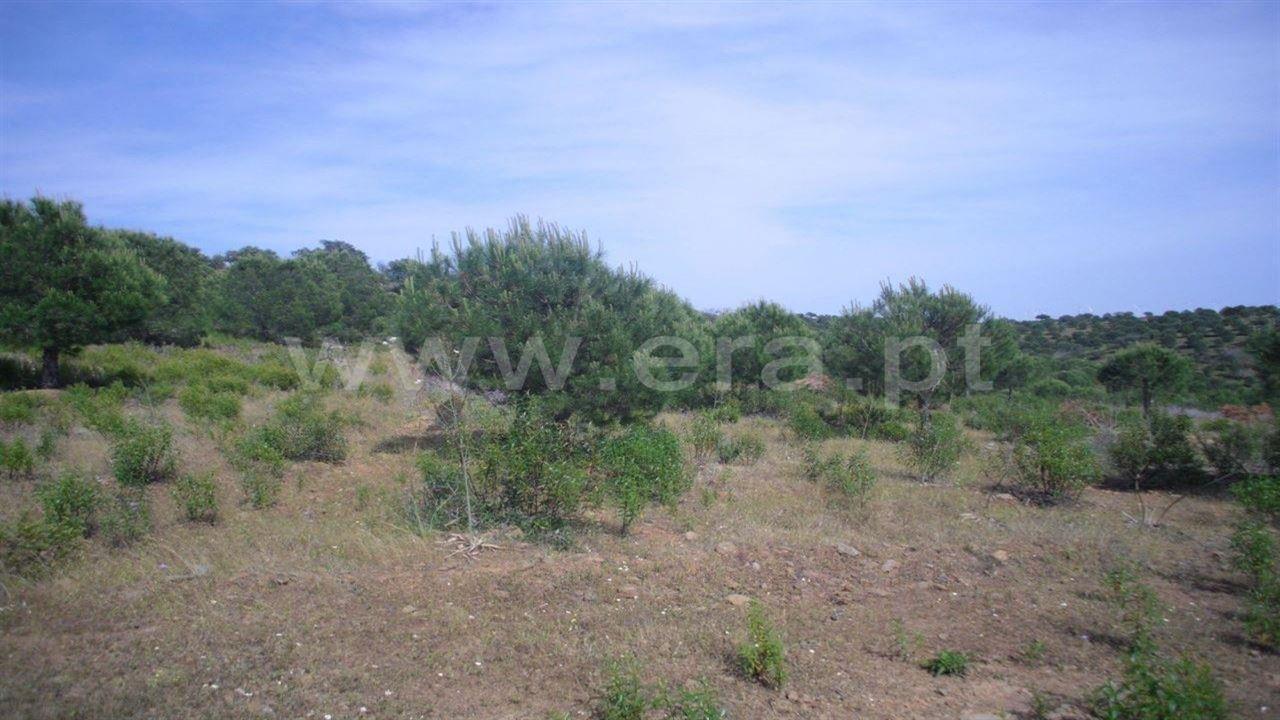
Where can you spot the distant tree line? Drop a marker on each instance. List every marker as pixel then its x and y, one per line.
pixel 65 284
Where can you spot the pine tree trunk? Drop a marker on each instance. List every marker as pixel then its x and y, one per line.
pixel 49 374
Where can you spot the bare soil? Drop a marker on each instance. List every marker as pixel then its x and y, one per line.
pixel 325 606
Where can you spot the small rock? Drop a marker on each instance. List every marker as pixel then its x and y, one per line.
pixel 738 600
pixel 847 550
pixel 691 536
pixel 969 516
pixel 408 609
pixel 726 548
pixel 1005 497
pixel 1000 556
pixel 889 565
pixel 755 566
pixel 979 716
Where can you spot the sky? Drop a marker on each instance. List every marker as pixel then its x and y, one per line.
pixel 1053 158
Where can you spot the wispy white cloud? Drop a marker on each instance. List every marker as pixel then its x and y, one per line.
pixel 1043 157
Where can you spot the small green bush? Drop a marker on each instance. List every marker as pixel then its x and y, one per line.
pixel 806 422
pixel 30 547
pixel 440 501
pixel 642 465
pixel 625 696
pixel 746 447
pixel 16 459
pixel 1260 494
pixel 125 517
pixel 144 453
pixel 18 408
pixel 261 490
pixel 1156 689
pixel 302 430
pixel 1157 451
pixel 48 444
pixel 71 500
pixel 253 452
pixel 934 448
pixel 704 434
pixel 948 662
pixel 196 495
pixel 1053 458
pixel 533 474
pixel 694 703
pixel 1254 546
pixel 762 656
pixel 1153 687
pixel 201 402
pixel 857 478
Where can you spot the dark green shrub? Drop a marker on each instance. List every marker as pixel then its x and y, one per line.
pixel 1054 459
pixel 18 408
pixel 806 423
pixel 534 474
pixel 642 465
pixel 1157 450
pixel 30 547
pixel 934 448
pixel 948 662
pixel 302 430
pixel 202 402
pixel 196 495
pixel 125 517
pixel 71 500
pixel 1260 494
pixel 16 459
pixel 762 656
pixel 253 452
pixel 143 454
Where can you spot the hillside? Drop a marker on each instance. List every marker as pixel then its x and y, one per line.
pixel 1215 341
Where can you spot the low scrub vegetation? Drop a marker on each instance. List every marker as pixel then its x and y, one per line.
pixel 1153 686
pixel 196 496
pixel 933 448
pixel 761 656
pixel 948 662
pixel 627 697
pixel 143 453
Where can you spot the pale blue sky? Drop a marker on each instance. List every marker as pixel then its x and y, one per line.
pixel 1056 158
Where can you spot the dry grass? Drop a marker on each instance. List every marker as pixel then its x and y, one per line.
pixel 324 605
